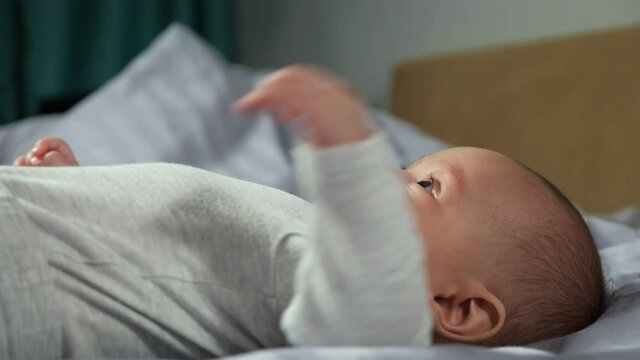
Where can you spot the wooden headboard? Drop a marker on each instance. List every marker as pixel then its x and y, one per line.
pixel 567 108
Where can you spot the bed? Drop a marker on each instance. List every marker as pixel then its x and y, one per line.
pixel 172 104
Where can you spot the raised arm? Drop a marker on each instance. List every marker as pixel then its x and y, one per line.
pixel 362 280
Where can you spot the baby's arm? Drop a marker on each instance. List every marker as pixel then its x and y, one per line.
pixel 49 151
pixel 362 281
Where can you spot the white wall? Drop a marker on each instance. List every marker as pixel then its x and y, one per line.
pixel 363 39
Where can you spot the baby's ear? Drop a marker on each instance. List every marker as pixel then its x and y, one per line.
pixel 471 315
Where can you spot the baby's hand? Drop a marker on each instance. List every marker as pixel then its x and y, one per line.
pixel 49 151
pixel 330 111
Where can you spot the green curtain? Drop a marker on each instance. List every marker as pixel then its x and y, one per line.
pixel 54 52
pixel 9 71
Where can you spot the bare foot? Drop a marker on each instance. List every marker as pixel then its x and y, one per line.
pixel 49 151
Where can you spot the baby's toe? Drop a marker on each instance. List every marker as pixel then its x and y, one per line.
pixel 21 161
pixel 52 158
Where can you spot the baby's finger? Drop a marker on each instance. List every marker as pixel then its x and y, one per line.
pixel 250 103
pixel 288 87
pixel 283 111
pixel 269 98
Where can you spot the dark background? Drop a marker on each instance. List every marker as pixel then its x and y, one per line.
pixel 53 53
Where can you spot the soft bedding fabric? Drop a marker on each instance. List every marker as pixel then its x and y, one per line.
pixel 450 352
pixel 171 104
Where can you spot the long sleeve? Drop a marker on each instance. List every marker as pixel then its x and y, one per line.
pixel 362 281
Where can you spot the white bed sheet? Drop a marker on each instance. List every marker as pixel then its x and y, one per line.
pixel 172 104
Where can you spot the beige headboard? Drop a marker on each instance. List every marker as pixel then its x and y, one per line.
pixel 568 108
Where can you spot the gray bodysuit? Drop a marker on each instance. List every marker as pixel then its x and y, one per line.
pixel 162 260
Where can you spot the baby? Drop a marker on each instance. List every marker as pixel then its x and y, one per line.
pixel 508 260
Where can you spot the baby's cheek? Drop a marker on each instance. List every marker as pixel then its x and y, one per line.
pixel 432 275
pixel 426 220
pixel 438 267
pixel 418 205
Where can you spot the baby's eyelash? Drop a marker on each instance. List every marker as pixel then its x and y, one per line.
pixel 429 184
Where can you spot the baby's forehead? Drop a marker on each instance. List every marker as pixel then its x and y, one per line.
pixel 470 159
pixel 497 178
pixel 470 151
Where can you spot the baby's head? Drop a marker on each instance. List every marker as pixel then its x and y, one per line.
pixel 510 260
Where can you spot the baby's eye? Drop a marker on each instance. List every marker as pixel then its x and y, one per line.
pixel 428 185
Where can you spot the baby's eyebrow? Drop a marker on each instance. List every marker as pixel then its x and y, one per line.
pixel 404 167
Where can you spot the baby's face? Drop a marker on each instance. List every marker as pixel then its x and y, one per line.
pixel 458 195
